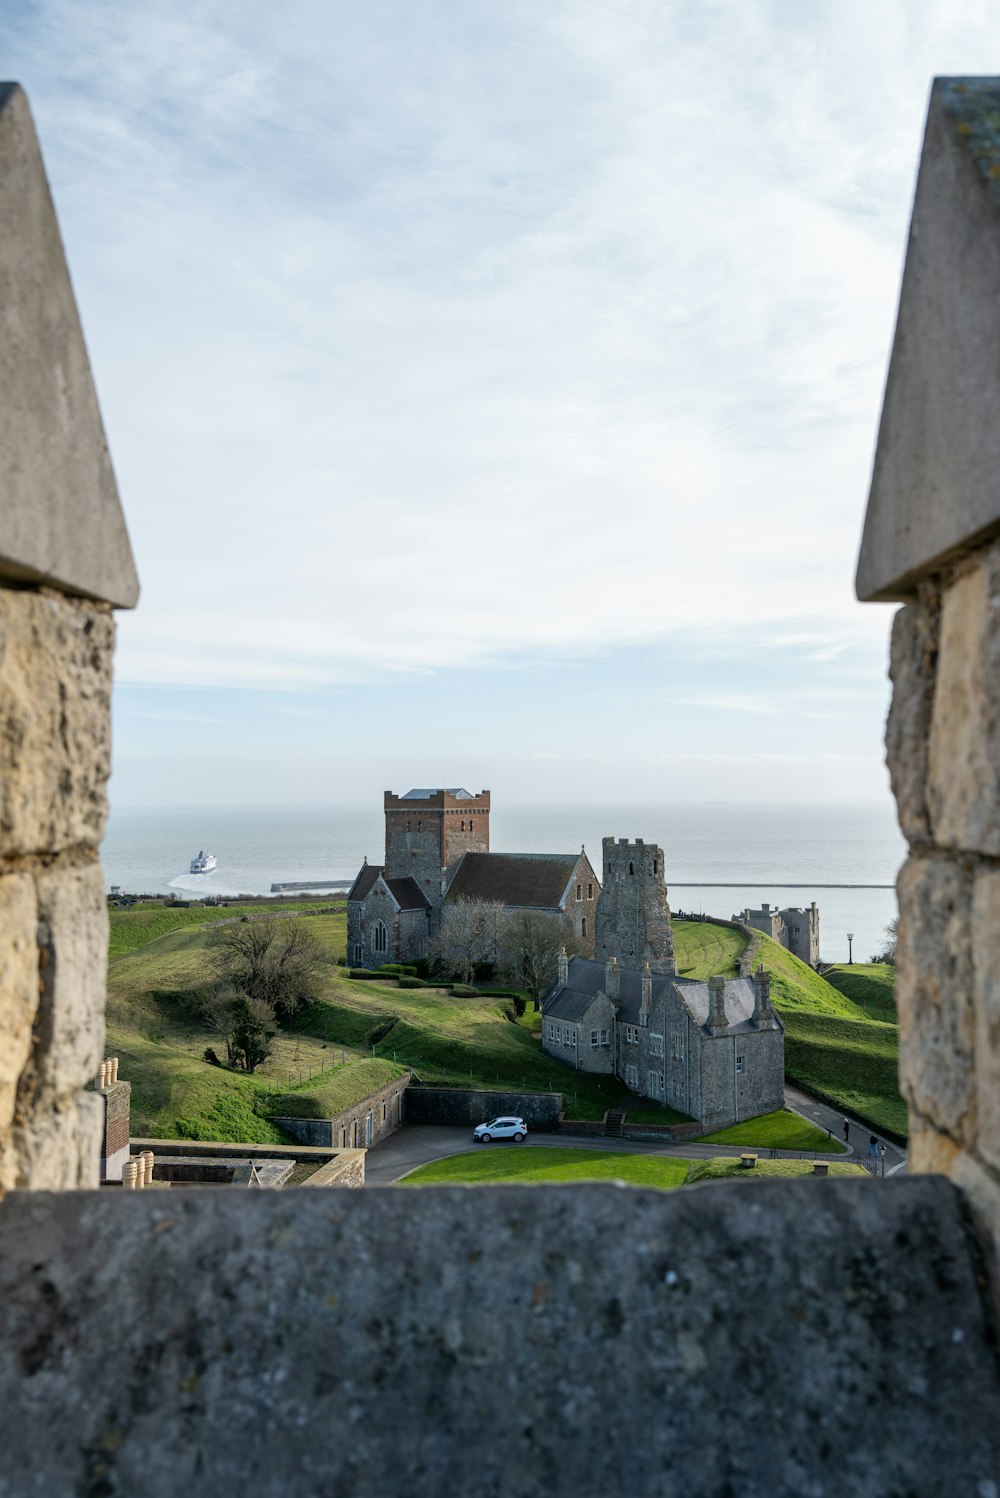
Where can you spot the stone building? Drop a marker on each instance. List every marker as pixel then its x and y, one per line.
pixel 714 1050
pixel 873 1296
pixel 437 851
pixel 795 928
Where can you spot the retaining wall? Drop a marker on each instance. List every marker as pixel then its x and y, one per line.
pixel 456 1105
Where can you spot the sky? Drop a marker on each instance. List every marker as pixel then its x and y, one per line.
pixel 492 389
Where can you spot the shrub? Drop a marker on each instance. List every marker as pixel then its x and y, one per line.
pixel 464 991
pixel 399 968
pixel 362 972
pixel 211 1057
pixel 408 982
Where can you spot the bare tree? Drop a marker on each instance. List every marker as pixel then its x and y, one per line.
pixel 888 952
pixel 471 936
pixel 530 956
pixel 278 962
pixel 246 1025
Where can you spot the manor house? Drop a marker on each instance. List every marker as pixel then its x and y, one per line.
pixel 714 1050
pixel 437 850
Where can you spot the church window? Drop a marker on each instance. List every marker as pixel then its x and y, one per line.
pixel 579 892
pixel 590 891
pixel 739 1063
pixel 380 937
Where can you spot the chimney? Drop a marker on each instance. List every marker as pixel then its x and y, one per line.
pixel 717 1006
pixel 761 997
pixel 116 1096
pixel 647 996
pixel 612 980
pixel 563 968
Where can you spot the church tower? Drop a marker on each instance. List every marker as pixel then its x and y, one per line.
pixel 427 832
pixel 632 921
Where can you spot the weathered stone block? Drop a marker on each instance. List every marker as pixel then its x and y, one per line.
pixel 986 960
pixel 60 1150
pixel 963 790
pixel 73 953
pixel 934 994
pixel 18 984
pixel 982 1190
pixel 936 482
pixel 230 1377
pixel 60 520
pixel 55 723
pixel 911 669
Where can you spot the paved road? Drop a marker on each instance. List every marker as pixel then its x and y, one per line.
pixel 418 1144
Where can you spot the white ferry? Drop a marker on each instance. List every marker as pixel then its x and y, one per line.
pixel 204 863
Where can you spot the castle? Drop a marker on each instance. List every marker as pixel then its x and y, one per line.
pixel 437 851
pixel 714 1050
pixel 794 928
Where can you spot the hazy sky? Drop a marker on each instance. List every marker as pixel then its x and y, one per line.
pixel 492 388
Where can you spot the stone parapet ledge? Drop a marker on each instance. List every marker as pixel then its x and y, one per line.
pixel 776 1338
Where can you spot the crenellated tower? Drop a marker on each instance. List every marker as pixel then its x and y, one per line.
pixel 427 832
pixel 632 921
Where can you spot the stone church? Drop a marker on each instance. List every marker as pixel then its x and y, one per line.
pixel 714 1050
pixel 437 850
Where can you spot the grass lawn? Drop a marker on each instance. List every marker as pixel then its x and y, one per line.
pixel 498 1165
pixel 140 924
pixel 726 1168
pixel 704 951
pixel 870 985
pixel 781 1130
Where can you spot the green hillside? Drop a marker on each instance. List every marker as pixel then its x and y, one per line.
pixel 139 924
pixel 703 951
pixel 870 985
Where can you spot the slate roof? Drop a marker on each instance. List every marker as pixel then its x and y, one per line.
pixel 537 881
pixel 405 892
pixel 587 978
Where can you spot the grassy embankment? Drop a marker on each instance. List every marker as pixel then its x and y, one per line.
pixel 549 1165
pixel 360 1034
pixel 870 985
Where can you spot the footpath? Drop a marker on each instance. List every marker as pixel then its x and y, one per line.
pixel 832 1119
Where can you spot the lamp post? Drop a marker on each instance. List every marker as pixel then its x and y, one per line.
pixel 850 948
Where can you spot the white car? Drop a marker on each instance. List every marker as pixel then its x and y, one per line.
pixel 501 1128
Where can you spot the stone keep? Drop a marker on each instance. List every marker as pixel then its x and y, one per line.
pixel 632 921
pixel 64 561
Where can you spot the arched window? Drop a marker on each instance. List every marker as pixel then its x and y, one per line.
pixel 380 937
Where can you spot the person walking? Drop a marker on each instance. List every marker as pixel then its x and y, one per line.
pixel 873 1146
pixel 847 1132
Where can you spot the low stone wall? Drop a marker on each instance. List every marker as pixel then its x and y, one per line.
pixel 456 1105
pixel 678 1132
pixel 696 1306
pixel 350 1128
pixel 347 1170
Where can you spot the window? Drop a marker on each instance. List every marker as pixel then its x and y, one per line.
pixel 599 1037
pixel 631 1035
pixel 655 869
pixel 656 1045
pixel 368 1128
pixel 579 892
pixel 383 1112
pixel 571 1036
pixel 550 1032
pixel 590 891
pixel 631 868
pixel 359 952
pixel 380 937
pixel 583 925
pixel 739 1063
pixel 632 1078
pixel 677 1047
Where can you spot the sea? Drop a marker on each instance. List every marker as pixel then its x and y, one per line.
pixel 720 856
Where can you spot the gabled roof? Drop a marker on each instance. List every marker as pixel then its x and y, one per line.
pixel 536 881
pixel 405 892
pixel 588 978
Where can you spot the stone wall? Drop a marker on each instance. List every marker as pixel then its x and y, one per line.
pixel 349 1128
pixel 943 741
pixel 55 686
pixel 454 1105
